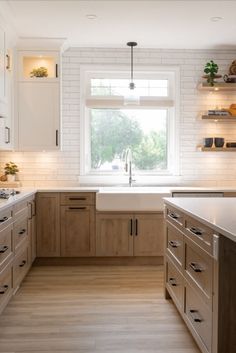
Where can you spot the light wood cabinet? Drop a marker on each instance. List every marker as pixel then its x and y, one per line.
pixel 124 234
pixel 32 227
pixel 77 231
pixel 48 224
pixel 200 279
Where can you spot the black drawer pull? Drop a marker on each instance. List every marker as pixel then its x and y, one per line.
pixel 174 215
pixel 172 281
pixel 22 264
pixel 22 231
pixel 194 315
pixel 196 231
pixel 4 219
pixel 3 289
pixel 77 198
pixel 77 208
pixel 173 243
pixel 3 249
pixel 195 267
pixel 131 227
pixel 136 227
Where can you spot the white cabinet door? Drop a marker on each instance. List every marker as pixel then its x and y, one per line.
pixel 38 116
pixel 2 66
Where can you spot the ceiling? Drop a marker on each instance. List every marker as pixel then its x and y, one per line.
pixel 152 23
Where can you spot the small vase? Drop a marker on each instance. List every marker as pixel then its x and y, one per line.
pixel 11 178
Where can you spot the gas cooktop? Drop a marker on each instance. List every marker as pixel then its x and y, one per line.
pixel 6 193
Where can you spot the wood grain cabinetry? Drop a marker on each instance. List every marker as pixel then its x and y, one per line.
pixel 125 234
pixel 200 279
pixel 48 224
pixel 32 227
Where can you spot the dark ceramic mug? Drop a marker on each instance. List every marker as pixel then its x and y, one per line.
pixel 208 141
pixel 219 141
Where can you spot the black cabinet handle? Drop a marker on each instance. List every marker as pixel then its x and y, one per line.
pixel 174 215
pixel 22 231
pixel 131 227
pixel 8 139
pixel 77 198
pixel 136 227
pixel 172 281
pixel 3 249
pixel 195 267
pixel 4 219
pixel 56 69
pixel 56 137
pixel 194 315
pixel 196 231
pixel 22 264
pixel 77 208
pixel 3 289
pixel 8 64
pixel 173 243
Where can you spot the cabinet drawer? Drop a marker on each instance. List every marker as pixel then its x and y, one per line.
pixel 20 209
pixel 20 267
pixel 6 247
pixel 198 317
pixel 174 216
pixel 175 284
pixel 199 268
pixel 5 218
pixel 5 286
pixel 200 234
pixel 175 244
pixel 83 198
pixel 20 232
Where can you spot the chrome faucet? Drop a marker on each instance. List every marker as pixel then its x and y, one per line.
pixel 128 165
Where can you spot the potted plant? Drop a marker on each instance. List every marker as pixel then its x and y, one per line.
pixel 211 70
pixel 10 171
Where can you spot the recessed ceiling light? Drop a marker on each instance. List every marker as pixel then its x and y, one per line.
pixel 216 19
pixel 91 16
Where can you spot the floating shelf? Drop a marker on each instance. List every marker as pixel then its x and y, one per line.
pixel 217 149
pixel 221 86
pixel 219 118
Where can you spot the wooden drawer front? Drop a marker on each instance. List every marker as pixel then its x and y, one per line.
pixel 82 198
pixel 200 234
pixel 199 268
pixel 20 208
pixel 6 246
pixel 198 317
pixel 175 216
pixel 175 284
pixel 20 232
pixel 175 244
pixel 5 285
pixel 5 218
pixel 20 267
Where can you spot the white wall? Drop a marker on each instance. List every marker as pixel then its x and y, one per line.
pixel 198 168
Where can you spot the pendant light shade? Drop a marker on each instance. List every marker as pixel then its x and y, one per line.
pixel 132 97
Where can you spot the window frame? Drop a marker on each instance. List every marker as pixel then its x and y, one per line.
pixel 171 103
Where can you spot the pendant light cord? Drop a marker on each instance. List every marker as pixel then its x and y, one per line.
pixel 132 45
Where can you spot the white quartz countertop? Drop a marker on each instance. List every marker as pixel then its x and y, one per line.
pixel 4 203
pixel 217 213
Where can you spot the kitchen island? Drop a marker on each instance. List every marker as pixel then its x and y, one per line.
pixel 200 264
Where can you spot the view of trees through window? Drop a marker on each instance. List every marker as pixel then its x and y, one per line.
pixel 113 131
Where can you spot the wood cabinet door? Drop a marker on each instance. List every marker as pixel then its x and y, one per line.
pixel 77 231
pixel 38 116
pixel 48 224
pixel 32 229
pixel 114 235
pixel 149 235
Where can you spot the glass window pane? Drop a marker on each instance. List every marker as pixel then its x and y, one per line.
pixel 113 131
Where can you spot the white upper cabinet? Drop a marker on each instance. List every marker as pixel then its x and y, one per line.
pixel 38 96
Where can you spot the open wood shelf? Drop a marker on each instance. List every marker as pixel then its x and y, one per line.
pixel 217 149
pixel 219 117
pixel 221 86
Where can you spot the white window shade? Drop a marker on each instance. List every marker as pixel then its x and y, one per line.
pixel 119 102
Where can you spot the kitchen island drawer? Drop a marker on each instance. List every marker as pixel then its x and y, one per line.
pixel 175 284
pixel 5 286
pixel 78 198
pixel 198 317
pixel 5 217
pixel 21 265
pixel 175 244
pixel 175 216
pixel 20 232
pixel 6 247
pixel 200 234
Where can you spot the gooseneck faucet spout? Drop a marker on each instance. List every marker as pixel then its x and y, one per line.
pixel 128 165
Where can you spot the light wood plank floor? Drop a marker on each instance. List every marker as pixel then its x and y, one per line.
pixel 90 309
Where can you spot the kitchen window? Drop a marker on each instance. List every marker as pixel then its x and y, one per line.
pixel 112 120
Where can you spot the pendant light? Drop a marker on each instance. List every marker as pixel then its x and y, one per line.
pixel 132 97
